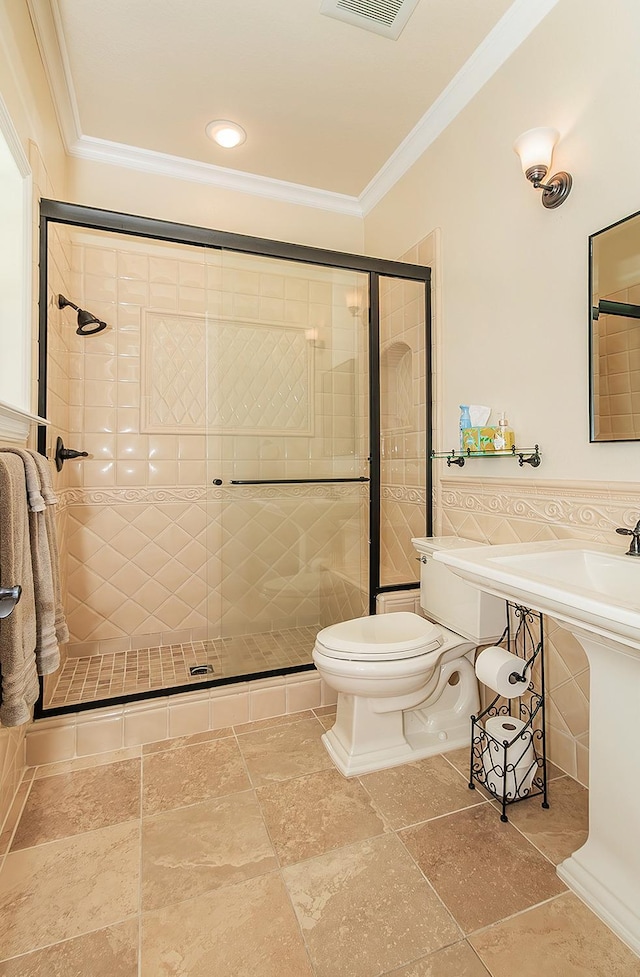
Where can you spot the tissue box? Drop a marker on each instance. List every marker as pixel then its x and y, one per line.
pixel 478 438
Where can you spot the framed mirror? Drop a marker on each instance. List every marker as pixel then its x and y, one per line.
pixel 614 332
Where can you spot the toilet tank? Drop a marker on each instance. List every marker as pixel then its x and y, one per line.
pixel 448 600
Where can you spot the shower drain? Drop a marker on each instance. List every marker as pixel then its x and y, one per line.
pixel 201 669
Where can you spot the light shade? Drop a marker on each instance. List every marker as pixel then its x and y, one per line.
pixel 226 133
pixel 535 149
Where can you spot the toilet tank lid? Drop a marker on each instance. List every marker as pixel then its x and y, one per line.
pixel 400 634
pixel 431 544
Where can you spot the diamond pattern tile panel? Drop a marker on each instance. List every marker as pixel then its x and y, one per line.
pixel 266 383
pixel 174 356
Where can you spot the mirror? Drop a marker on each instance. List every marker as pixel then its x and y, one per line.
pixel 614 334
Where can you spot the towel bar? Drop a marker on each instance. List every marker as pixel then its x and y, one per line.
pixel 9 597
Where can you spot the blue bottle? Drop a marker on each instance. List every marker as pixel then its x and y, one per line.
pixel 465 421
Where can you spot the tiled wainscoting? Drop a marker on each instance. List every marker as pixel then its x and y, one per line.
pixel 511 510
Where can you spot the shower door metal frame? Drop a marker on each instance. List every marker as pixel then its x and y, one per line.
pixel 92 218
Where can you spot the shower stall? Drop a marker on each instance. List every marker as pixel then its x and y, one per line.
pixel 242 450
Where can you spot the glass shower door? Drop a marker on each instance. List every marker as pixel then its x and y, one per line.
pixel 287 363
pixel 403 427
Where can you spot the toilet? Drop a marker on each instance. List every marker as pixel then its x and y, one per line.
pixel 406 683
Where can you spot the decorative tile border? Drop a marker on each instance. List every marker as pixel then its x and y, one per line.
pixel 205 493
pixel 596 507
pixel 413 495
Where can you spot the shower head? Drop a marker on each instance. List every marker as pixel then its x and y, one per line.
pixel 85 319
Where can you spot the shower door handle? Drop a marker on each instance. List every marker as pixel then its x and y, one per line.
pixel 9 597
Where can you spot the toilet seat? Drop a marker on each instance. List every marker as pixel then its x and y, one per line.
pixel 382 637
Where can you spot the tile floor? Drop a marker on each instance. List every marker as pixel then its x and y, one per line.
pixel 243 853
pixel 91 678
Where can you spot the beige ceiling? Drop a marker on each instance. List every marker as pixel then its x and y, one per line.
pixel 325 104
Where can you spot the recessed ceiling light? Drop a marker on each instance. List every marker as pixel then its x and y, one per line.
pixel 225 133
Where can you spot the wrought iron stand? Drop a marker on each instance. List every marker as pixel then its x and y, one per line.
pixel 515 769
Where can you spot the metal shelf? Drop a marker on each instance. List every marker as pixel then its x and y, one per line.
pixel 525 456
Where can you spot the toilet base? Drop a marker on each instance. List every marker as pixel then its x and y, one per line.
pixel 352 765
pixel 365 738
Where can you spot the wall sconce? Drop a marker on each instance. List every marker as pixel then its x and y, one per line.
pixel 354 302
pixel 535 149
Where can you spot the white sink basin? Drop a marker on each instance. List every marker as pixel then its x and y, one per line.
pixel 594 591
pixel 589 584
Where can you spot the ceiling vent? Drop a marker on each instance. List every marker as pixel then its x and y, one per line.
pixel 385 17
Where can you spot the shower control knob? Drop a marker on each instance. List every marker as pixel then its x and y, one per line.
pixel 65 454
pixel 217 481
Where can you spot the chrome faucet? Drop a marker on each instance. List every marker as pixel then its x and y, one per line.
pixel 634 545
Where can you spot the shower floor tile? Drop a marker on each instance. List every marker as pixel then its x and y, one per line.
pixel 95 677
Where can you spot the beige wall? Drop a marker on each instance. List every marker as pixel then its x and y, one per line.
pixel 151 195
pixel 512 301
pixel 514 275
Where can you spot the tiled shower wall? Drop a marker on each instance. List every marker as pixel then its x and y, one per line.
pixel 156 553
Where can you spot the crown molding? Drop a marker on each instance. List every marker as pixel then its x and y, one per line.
pixel 499 44
pixel 507 35
pixel 163 164
pixel 47 25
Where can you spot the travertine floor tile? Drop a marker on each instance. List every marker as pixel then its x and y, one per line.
pixel 458 960
pixel 244 929
pixel 177 778
pixel 178 742
pixel 60 890
pixel 418 791
pixel 311 815
pixel 282 752
pixel 366 909
pixel 111 952
pixel 192 850
pixel 285 720
pixel 563 938
pixel 482 869
pixel 563 828
pixel 85 762
pixel 71 803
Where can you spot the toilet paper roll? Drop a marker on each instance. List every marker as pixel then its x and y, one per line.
pixel 500 670
pixel 520 766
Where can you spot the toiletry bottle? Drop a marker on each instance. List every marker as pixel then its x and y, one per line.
pixel 505 438
pixel 465 422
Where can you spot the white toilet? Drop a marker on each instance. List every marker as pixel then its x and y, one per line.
pixel 406 686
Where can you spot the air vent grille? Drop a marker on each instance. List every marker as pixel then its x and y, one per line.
pixel 385 17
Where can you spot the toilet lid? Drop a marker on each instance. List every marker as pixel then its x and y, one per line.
pixel 381 637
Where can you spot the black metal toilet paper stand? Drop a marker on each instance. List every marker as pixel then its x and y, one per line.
pixel 514 769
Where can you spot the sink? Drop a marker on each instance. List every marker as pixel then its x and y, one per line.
pixel 593 590
pixel 596 574
pixel 593 586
